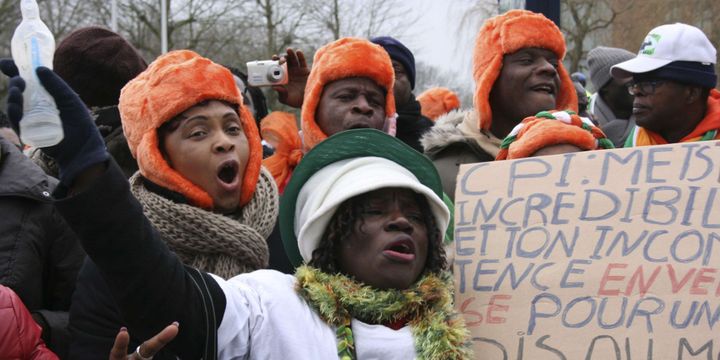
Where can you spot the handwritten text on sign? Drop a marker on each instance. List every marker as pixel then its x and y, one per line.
pixel 592 255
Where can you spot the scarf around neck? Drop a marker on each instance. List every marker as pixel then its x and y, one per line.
pixel 427 306
pixel 707 129
pixel 224 245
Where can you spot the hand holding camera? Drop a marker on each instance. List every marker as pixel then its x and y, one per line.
pixel 267 73
pixel 293 92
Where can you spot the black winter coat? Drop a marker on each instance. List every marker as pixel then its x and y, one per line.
pixel 39 255
pixel 95 315
pixel 140 281
pixel 95 318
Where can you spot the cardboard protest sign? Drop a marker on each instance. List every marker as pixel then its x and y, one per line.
pixel 592 255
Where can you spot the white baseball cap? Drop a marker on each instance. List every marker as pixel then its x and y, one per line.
pixel 666 44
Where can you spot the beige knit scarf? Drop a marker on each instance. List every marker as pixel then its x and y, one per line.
pixel 224 245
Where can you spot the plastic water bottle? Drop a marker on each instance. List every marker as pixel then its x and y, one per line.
pixel 33 45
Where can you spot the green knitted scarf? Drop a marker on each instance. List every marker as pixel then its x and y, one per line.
pixel 427 306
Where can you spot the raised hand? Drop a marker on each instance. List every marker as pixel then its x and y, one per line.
pixel 147 349
pixel 82 146
pixel 292 93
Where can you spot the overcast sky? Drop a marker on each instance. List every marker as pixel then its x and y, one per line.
pixel 434 38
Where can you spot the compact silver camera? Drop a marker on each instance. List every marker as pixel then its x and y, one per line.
pixel 267 73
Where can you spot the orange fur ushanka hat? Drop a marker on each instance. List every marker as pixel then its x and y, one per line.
pixel 437 101
pixel 340 59
pixel 506 34
pixel 172 84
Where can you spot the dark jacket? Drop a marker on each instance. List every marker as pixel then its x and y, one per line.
pixel 39 255
pixel 411 124
pixel 95 316
pixel 149 283
pixel 19 334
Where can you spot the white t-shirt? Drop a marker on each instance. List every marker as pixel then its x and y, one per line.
pixel 265 319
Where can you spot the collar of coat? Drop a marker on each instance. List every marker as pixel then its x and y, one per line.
pixel 459 126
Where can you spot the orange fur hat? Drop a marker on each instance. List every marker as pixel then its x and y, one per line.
pixel 340 59
pixel 280 130
pixel 549 128
pixel 506 34
pixel 173 83
pixel 437 101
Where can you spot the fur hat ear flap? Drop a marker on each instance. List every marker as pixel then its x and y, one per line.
pixel 149 157
pixel 252 169
pixel 487 64
pixel 567 96
pixel 483 87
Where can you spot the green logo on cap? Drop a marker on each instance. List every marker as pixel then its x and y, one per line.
pixel 648 46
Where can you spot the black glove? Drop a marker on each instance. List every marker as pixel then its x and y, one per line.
pixel 82 145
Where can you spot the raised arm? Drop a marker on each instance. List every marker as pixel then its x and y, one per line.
pixel 150 284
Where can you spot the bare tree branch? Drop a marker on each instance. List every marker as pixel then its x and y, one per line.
pixel 587 17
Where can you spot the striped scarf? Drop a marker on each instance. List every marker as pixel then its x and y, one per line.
pixel 643 137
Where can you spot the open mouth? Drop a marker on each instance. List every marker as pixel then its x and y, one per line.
pixel 401 250
pixel 227 172
pixel 544 88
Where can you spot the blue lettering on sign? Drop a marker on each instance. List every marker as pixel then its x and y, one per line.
pixel 689 147
pixel 585 213
pixel 708 209
pixel 479 271
pixel 516 175
pixel 534 312
pixel 464 181
pixel 610 155
pixel 653 205
pixel 461 265
pixel 460 238
pixel 652 163
pixel 563 173
pixel 564 283
pixel 709 164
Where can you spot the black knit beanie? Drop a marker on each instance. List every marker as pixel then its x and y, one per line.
pixel 399 52
pixel 97 63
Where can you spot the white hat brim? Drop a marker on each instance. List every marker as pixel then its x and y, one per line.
pixel 638 65
pixel 327 189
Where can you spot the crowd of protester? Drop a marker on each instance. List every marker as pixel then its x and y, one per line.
pixel 180 218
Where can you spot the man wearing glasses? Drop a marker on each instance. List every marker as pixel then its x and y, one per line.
pixel 673 80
